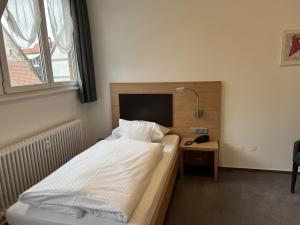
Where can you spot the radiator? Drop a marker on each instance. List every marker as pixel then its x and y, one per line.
pixel 24 164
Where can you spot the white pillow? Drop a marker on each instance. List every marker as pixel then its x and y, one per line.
pixel 116 133
pixel 165 130
pixel 135 130
pixel 157 134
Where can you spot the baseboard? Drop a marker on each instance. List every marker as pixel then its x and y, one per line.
pixel 224 168
pixel 256 170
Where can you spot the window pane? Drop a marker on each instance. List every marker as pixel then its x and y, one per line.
pixel 62 63
pixel 24 63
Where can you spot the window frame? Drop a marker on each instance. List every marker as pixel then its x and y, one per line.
pixel 5 86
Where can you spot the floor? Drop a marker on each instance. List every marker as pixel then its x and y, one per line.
pixel 239 198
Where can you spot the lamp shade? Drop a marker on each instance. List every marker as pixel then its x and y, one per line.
pixel 180 89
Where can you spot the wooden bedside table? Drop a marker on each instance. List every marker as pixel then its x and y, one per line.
pixel 211 146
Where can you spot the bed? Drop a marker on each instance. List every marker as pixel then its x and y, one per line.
pixel 152 204
pixel 150 209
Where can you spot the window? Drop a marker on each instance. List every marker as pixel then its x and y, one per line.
pixel 24 63
pixel 62 62
pixel 37 38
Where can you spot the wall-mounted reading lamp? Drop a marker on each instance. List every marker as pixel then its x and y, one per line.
pixel 198 112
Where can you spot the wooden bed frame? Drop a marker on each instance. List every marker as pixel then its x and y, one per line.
pixel 165 197
pixel 183 120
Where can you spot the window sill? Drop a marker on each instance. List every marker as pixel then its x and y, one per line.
pixel 37 93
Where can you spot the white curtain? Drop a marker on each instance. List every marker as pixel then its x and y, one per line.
pixel 23 19
pixel 61 24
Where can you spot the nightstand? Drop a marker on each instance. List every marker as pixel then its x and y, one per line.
pixel 211 146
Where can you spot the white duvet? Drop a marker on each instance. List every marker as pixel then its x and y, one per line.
pixel 107 180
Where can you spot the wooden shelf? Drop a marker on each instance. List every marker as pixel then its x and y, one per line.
pixel 210 146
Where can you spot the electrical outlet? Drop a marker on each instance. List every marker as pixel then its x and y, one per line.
pixel 199 130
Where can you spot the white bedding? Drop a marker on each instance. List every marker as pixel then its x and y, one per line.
pixel 91 182
pixel 23 214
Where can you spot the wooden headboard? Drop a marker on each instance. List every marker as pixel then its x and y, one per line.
pixel 183 104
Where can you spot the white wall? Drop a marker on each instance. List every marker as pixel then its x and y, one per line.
pixel 235 41
pixel 22 118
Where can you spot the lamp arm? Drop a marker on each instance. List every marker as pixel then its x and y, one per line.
pixel 197 100
pixel 199 112
pixel 192 90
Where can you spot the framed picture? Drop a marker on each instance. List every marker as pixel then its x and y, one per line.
pixel 290 52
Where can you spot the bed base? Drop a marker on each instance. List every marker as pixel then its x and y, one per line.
pixel 164 200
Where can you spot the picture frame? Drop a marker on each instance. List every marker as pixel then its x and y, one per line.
pixel 290 50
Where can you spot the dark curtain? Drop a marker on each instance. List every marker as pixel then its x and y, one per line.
pixel 84 52
pixel 2 6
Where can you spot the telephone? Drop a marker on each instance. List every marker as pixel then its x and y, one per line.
pixel 201 138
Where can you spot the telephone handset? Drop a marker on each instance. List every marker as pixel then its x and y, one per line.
pixel 201 138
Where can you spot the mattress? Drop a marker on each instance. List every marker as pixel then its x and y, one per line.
pixel 23 214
